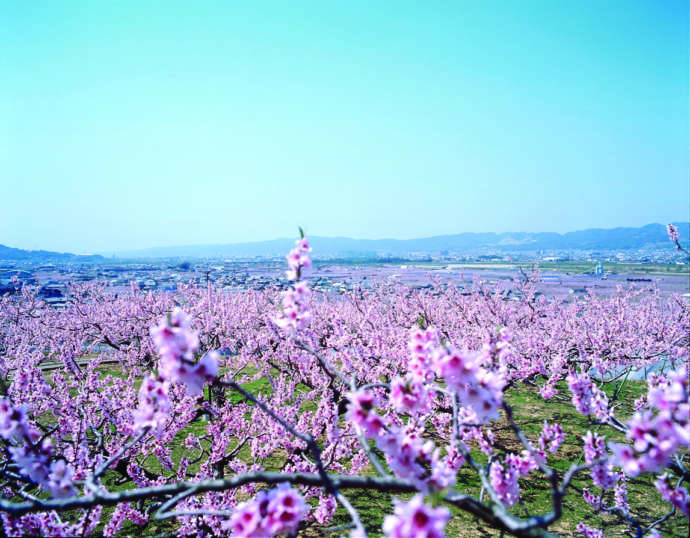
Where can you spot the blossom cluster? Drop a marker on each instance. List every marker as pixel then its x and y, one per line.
pixel 672 232
pixel 122 513
pixel 587 398
pixel 32 453
pixel 658 432
pixel 410 395
pixel 415 518
pixel 295 314
pixel 406 452
pixel 269 513
pixel 620 492
pixel 551 437
pixel 589 532
pixel 504 476
pixel 504 480
pixel 154 404
pixel 422 344
pixel 595 454
pixel 478 388
pixel 675 495
pixel 177 343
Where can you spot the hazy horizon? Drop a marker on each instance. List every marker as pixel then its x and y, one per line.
pixel 111 251
pixel 133 125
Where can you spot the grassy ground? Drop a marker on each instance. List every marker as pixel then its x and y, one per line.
pixel 579 267
pixel 530 413
pixel 573 267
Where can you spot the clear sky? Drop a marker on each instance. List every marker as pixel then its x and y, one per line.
pixel 136 124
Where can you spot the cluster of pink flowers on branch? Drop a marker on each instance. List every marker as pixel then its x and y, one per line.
pixel 674 494
pixel 595 454
pixel 409 456
pixel 480 389
pixel 416 519
pixel 659 431
pixel 269 513
pixel 32 452
pixel 295 314
pixel 587 398
pixel 674 236
pixel 154 404
pixel 177 343
pixel 551 438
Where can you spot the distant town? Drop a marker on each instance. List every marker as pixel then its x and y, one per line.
pixel 570 264
pixel 559 273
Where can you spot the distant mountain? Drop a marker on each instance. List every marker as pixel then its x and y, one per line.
pixel 650 236
pixel 18 254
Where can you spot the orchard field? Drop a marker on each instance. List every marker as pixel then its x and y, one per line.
pixel 384 411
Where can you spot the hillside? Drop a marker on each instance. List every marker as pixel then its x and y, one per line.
pixel 649 236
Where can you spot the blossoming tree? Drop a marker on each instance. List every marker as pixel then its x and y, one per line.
pixel 388 390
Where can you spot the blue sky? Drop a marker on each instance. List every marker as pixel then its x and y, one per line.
pixel 136 124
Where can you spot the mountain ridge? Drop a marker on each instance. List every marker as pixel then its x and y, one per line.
pixel 19 254
pixel 620 238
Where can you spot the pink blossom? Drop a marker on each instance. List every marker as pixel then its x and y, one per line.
pixel 59 481
pixel 247 519
pixel 624 456
pixel 587 398
pixel 672 232
pixel 483 394
pixel 504 480
pixel 411 457
pixel 677 496
pixel 32 461
pixel 415 519
pixel 595 449
pixel 298 260
pixel 278 511
pixel 12 420
pixel 551 437
pixel 621 492
pixel 360 411
pixel 122 513
pixel 154 404
pixel 524 463
pixel 589 532
pixel 657 436
pixel 548 391
pixel 177 343
pixel 409 395
pixel 325 510
pixel 457 368
pixel 591 499
pixel 443 472
pixel 33 454
pixel 174 338
pixel 197 375
pixel 407 454
pixel 286 508
pixel 422 345
pixel 295 314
